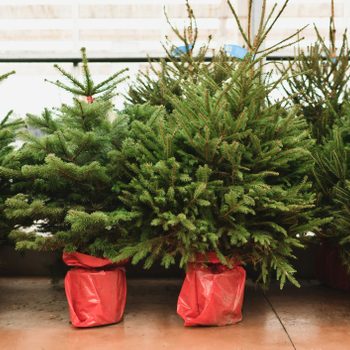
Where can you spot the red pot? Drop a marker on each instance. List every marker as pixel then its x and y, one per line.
pixel 330 269
pixel 212 294
pixel 95 290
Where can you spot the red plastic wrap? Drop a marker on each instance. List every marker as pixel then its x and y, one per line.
pixel 95 290
pixel 212 294
pixel 330 269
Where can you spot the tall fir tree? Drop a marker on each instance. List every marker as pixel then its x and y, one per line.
pixel 319 84
pixel 224 172
pixel 66 198
pixel 8 130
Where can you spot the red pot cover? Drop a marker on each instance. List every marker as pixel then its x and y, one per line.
pixel 212 295
pixel 330 269
pixel 95 290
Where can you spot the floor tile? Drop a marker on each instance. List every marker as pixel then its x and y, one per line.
pixel 33 315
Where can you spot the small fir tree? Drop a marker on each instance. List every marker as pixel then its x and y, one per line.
pixel 66 197
pixel 224 172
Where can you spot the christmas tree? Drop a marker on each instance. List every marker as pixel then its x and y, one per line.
pixel 224 172
pixel 66 198
pixel 319 85
pixel 8 130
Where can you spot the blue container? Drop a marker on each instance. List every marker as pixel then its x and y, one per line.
pixel 235 51
pixel 180 50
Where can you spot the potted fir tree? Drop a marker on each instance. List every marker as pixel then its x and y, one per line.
pixel 219 182
pixel 66 200
pixel 319 86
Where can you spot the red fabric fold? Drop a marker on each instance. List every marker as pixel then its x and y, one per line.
pixel 95 289
pixel 212 295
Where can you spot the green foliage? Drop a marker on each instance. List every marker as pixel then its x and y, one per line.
pixel 221 167
pixel 105 89
pixel 342 222
pixel 332 175
pixel 319 84
pixel 171 72
pixel 209 163
pixel 65 197
pixel 230 178
pixel 8 130
pixel 225 172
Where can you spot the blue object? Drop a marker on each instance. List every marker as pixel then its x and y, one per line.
pixel 235 51
pixel 180 50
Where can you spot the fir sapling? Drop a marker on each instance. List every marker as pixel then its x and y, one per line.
pixel 226 171
pixel 66 199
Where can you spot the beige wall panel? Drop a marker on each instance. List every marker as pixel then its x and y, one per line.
pixel 37 35
pixel 35 11
pixel 59 28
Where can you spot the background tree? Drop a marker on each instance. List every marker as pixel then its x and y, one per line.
pixel 319 84
pixel 332 176
pixel 8 129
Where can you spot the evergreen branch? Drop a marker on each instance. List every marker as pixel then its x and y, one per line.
pixel 241 30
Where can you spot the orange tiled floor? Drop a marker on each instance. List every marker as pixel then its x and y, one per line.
pixel 33 315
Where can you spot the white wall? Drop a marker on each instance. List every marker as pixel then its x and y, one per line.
pixel 120 28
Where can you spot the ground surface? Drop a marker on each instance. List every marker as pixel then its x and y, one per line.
pixel 33 316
